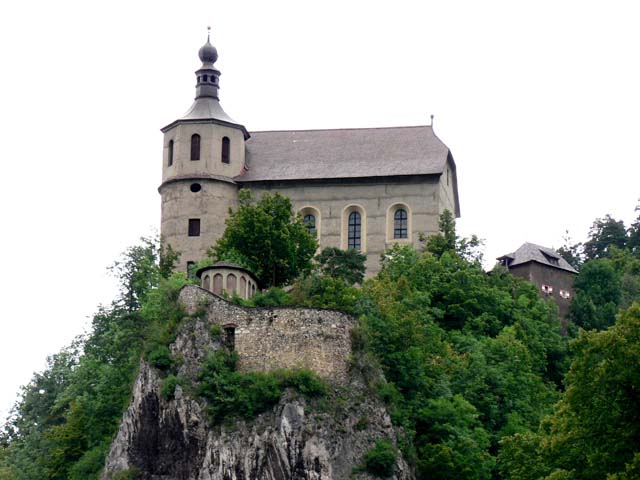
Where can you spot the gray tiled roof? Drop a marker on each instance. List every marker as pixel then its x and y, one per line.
pixel 530 252
pixel 344 153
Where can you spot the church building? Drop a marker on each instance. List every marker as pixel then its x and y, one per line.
pixel 362 188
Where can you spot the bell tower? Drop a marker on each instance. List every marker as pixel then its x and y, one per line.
pixel 203 152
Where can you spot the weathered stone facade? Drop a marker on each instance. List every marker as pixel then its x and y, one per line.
pixel 272 338
pixel 328 174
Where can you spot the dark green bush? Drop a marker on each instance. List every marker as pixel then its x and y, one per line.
pixel 168 387
pixel 381 459
pixel 159 356
pixel 236 394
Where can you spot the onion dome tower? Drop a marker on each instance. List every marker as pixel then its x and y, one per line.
pixel 203 151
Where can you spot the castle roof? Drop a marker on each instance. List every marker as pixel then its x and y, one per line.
pixel 530 252
pixel 344 153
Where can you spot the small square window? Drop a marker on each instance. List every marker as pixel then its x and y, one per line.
pixel 194 227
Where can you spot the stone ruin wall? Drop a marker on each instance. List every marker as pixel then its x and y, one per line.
pixel 272 338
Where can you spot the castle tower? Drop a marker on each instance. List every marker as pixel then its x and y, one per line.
pixel 203 151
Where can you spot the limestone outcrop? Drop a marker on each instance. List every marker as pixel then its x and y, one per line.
pixel 299 438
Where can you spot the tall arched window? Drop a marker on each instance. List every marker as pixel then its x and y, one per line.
pixel 195 147
pixel 170 153
pixel 400 229
pixel 354 239
pixel 206 282
pixel 310 222
pixel 226 150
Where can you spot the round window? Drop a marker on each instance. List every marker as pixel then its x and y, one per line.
pixel 196 187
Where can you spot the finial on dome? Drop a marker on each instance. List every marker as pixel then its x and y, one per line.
pixel 208 53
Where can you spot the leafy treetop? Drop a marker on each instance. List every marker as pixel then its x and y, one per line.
pixel 267 238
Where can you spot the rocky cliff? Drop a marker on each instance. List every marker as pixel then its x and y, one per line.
pixel 299 438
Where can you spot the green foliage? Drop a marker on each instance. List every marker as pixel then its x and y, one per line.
pixel 230 393
pixel 447 241
pixel 324 292
pixel 346 265
pixel 168 386
pixel 268 239
pixel 598 293
pixel 571 252
pixel 68 414
pixel 469 358
pixel 604 234
pixel 215 331
pixel 381 459
pixel 451 441
pixel 160 357
pixel 594 431
pixel 273 297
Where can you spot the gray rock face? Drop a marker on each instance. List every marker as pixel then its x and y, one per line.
pixel 171 439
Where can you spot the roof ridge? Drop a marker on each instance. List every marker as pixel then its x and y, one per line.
pixel 342 129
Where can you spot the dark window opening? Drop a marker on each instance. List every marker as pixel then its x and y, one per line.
pixel 195 187
pixel 226 149
pixel 310 222
pixel 198 78
pixel 400 229
pixel 230 337
pixel 195 147
pixel 194 227
pixel 191 270
pixel 170 153
pixel 204 78
pixel 355 231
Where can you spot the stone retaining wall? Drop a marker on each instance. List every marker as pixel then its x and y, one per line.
pixel 272 338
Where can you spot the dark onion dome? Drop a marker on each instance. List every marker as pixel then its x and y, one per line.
pixel 208 53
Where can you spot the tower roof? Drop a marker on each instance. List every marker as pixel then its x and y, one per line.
pixel 206 107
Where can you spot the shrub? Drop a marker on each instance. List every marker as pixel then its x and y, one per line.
pixel 381 459
pixel 274 297
pixel 168 387
pixel 159 356
pixel 237 394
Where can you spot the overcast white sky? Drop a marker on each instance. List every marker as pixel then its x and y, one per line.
pixel 538 102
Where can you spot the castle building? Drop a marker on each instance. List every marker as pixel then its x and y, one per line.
pixel 547 270
pixel 362 188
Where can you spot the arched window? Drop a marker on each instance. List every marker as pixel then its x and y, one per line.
pixel 195 147
pixel 400 229
pixel 226 150
pixel 354 239
pixel 206 282
pixel 310 222
pixel 231 283
pixel 217 284
pixel 170 153
pixel 243 287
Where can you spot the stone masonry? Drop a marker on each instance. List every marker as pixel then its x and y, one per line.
pixel 272 338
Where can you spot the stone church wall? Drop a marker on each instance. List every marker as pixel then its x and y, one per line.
pixel 420 195
pixel 272 338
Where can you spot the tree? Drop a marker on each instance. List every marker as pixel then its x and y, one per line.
pixel 447 240
pixel 571 252
pixel 347 265
pixel 267 238
pixel 605 233
pixel 598 294
pixel 633 242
